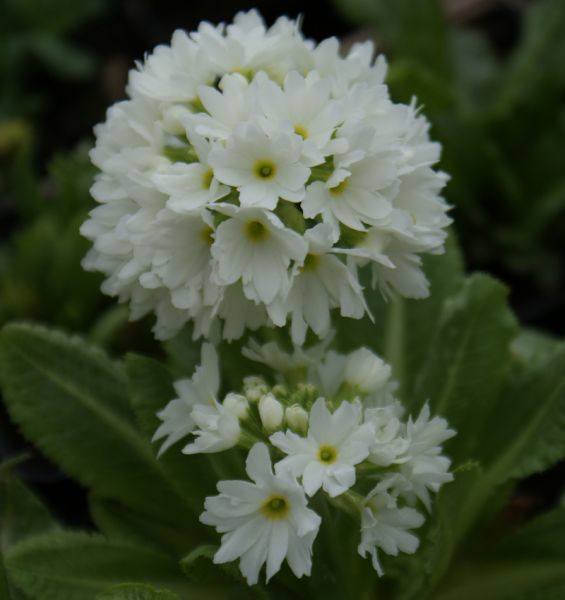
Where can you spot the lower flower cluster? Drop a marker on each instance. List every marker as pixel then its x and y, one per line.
pixel 326 428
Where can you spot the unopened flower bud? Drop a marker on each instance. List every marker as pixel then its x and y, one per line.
pixel 237 405
pixel 366 370
pixel 297 418
pixel 271 412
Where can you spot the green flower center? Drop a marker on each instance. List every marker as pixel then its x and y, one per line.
pixel 327 454
pixel 206 234
pixel 311 263
pixel 275 508
pixel 265 169
pixel 301 131
pixel 340 187
pixel 256 231
pixel 207 179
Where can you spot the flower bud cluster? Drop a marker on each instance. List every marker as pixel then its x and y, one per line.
pixel 251 173
pixel 339 434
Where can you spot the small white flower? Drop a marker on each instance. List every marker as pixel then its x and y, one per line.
pixel 353 197
pixel 263 169
pixel 271 412
pixel 237 404
pixel 328 455
pixel 190 186
pixel 385 526
pixel 323 282
pixel 389 445
pixel 424 466
pixel 255 247
pixel 366 371
pixel 270 354
pixel 263 522
pixel 202 389
pixel 217 429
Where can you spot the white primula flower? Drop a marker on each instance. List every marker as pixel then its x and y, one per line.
pixel 424 466
pixel 237 404
pixel 323 282
pixel 385 526
pixel 255 117
pixel 353 195
pixel 225 108
pixel 202 389
pixel 390 443
pixel 365 371
pixel 255 247
pixel 327 456
pixel 304 104
pixel 262 168
pixel 216 428
pixel 270 354
pixel 263 522
pixel 190 186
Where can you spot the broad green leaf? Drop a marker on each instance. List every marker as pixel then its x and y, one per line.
pixel 21 515
pixel 199 568
pixel 151 388
pixel 136 591
pixel 78 565
pixel 528 564
pixel 532 408
pixel 468 361
pixel 117 521
pixel 72 401
pixel 404 328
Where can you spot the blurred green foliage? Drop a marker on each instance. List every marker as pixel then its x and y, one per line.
pixel 501 121
pixel 35 37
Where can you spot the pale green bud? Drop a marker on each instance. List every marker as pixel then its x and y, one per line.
pixel 297 418
pixel 271 412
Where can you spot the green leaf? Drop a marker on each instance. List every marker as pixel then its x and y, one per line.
pixel 199 568
pixel 468 361
pixel 72 401
pixel 136 591
pixel 542 44
pixel 117 521
pixel 404 328
pixel 406 28
pixel 151 388
pixel 21 516
pixel 533 408
pixel 527 564
pixel 77 565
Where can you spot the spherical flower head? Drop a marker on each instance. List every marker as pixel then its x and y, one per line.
pixel 251 173
pixel 264 522
pixel 335 443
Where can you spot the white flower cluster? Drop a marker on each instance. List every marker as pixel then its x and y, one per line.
pixel 251 173
pixel 341 430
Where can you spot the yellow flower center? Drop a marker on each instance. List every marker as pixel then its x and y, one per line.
pixel 327 454
pixel 301 131
pixel 207 235
pixel 311 263
pixel 256 231
pixel 265 169
pixel 207 179
pixel 275 508
pixel 340 187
